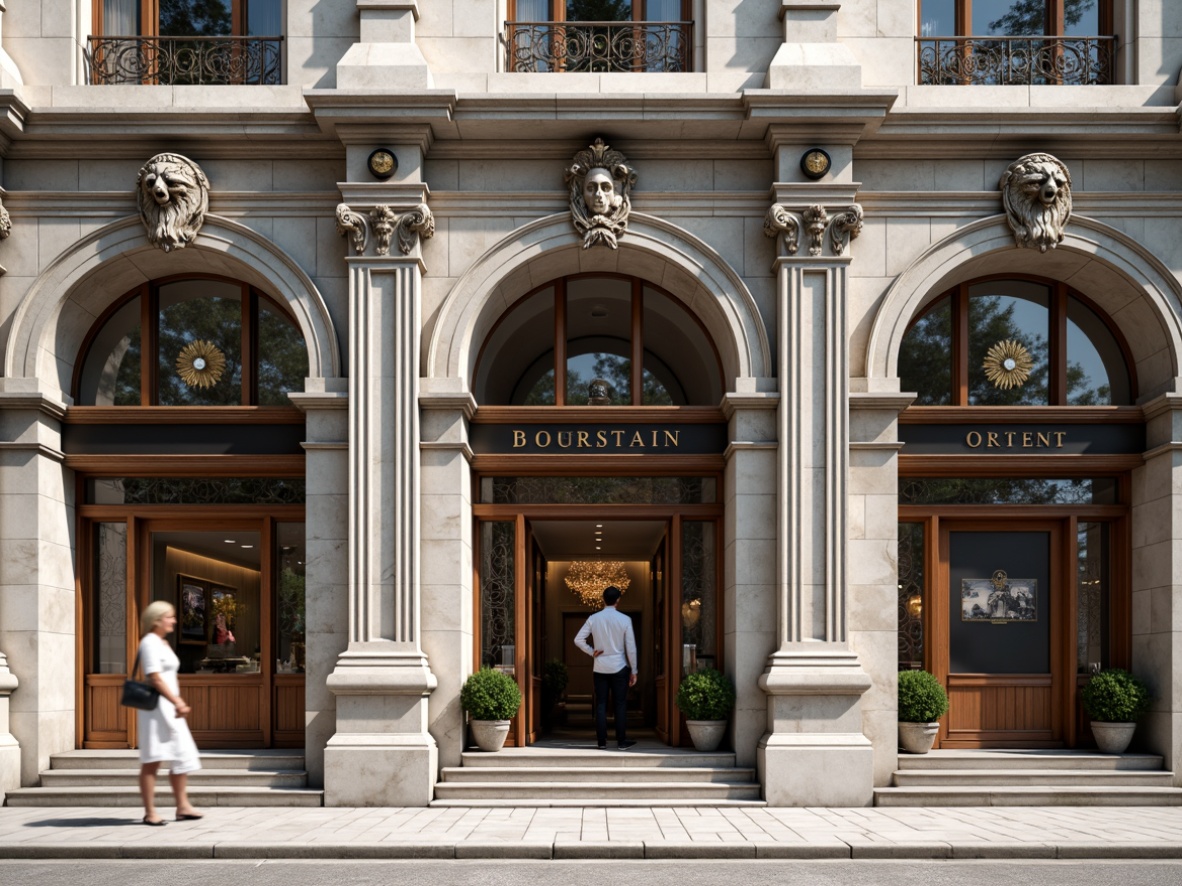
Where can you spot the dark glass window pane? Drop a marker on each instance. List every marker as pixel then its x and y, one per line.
pixel 264 18
pixel 598 10
pixel 283 356
pixel 196 18
pixel 925 359
pixel 1081 18
pixel 498 596
pixel 196 315
pixel 1093 579
pixel 599 334
pixel 1003 490
pixel 598 490
pixel 699 596
pixel 517 364
pixel 679 364
pixel 1013 18
pixel 291 618
pixel 1096 370
pixel 110 598
pixel 1016 312
pixel 937 18
pixel 195 491
pixel 111 372
pixel 911 595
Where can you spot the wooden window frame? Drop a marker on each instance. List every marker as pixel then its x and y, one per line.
pixel 150 19
pixel 1055 24
pixel 149 295
pixel 1060 296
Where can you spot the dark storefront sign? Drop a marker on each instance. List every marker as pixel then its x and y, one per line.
pixel 1022 439
pixel 188 439
pixel 598 439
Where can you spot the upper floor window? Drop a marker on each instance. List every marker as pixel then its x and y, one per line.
pixel 186 42
pixel 1024 42
pixel 599 35
pixel 192 342
pixel 598 340
pixel 1014 343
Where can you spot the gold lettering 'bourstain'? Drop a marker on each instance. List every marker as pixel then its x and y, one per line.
pixel 1015 439
pixel 658 438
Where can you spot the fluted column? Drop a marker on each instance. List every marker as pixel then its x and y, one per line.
pixel 815 752
pixel 382 753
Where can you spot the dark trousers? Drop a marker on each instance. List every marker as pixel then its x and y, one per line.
pixel 617 684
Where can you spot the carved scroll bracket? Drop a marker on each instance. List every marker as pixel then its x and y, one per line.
pixel 811 224
pixel 381 224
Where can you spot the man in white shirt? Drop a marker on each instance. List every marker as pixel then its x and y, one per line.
pixel 615 665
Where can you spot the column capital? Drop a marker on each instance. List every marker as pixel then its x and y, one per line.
pixel 8 680
pixel 381 222
pixel 789 225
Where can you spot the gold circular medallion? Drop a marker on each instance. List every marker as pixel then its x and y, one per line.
pixel 200 364
pixel 815 163
pixel 382 163
pixel 1007 364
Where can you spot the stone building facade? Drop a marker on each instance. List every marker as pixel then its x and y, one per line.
pixel 807 254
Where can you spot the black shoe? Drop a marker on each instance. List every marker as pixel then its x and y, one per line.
pixel 602 747
pixel 624 745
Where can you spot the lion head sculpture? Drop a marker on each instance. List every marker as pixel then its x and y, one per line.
pixel 173 196
pixel 1036 193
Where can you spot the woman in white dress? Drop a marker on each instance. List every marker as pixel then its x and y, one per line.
pixel 163 733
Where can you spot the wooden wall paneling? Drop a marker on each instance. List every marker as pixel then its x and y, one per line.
pixel 289 710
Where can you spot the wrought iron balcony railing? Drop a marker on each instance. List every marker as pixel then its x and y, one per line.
pixel 599 47
pixel 184 61
pixel 1024 61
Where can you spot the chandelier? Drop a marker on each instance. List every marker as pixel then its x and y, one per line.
pixel 588 578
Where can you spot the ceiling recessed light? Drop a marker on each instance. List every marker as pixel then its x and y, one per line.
pixel 231 541
pixel 598 525
pixel 248 546
pixel 598 548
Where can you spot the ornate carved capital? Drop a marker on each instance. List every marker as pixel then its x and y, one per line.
pixel 382 222
pixel 844 225
pixel 600 182
pixel 173 196
pixel 5 223
pixel 1036 194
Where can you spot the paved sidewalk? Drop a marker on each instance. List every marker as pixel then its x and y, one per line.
pixel 585 832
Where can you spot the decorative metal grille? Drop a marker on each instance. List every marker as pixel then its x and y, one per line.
pixel 110 598
pixel 196 491
pixel 1092 546
pixel 911 596
pixel 699 581
pixel 599 47
pixel 497 600
pixel 599 490
pixel 1005 490
pixel 184 61
pixel 1026 61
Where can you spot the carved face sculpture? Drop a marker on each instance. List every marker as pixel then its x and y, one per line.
pixel 599 191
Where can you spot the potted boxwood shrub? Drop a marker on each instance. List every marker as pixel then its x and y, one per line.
pixel 922 701
pixel 706 698
pixel 491 698
pixel 1115 699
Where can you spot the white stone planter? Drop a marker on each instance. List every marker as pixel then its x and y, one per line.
pixel 707 735
pixel 918 738
pixel 490 735
pixel 1113 738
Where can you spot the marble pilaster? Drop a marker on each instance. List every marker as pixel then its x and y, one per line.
pixel 814 752
pixel 10 749
pixel 382 753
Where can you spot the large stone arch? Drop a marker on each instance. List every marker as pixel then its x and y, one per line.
pixel 1131 285
pixel 652 249
pixel 70 294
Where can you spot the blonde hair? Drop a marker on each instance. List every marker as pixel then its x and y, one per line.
pixel 153 613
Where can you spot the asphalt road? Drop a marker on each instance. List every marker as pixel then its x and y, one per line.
pixel 588 873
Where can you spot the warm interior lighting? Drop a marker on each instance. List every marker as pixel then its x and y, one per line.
pixel 914 605
pixel 587 579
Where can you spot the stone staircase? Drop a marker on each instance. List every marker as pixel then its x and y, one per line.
pixel 575 773
pixel 230 778
pixel 1029 778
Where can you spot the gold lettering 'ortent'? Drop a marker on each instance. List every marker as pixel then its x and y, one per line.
pixel 1014 439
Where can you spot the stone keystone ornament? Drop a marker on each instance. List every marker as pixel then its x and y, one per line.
pixel 173 196
pixel 1036 193
pixel 600 182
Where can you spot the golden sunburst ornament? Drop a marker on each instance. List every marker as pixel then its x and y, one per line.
pixel 1007 364
pixel 200 364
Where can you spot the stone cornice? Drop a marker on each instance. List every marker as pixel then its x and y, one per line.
pixel 32 400
pixel 891 402
pixel 13 116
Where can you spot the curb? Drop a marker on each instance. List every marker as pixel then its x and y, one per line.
pixel 591 850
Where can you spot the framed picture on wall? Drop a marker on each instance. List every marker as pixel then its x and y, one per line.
pixel 192 610
pixel 223 612
pixel 999 600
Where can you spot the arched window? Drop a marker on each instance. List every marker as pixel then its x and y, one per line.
pixel 1012 342
pixel 598 340
pixel 196 341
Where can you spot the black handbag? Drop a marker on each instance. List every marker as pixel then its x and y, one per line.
pixel 139 695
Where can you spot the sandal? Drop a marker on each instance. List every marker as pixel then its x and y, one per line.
pixel 158 823
pixel 188 816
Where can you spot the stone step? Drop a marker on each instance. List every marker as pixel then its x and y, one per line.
pixel 703 793
pixel 601 802
pixel 598 774
pixel 265 759
pixel 260 778
pixel 634 757
pixel 1026 777
pixel 1028 759
pixel 201 795
pixel 1063 795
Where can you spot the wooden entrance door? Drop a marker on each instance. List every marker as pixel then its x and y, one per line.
pixel 999 631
